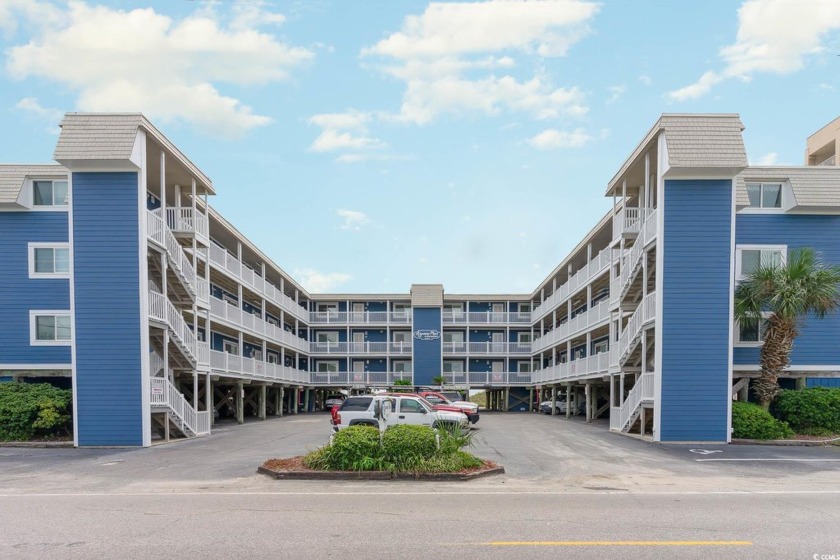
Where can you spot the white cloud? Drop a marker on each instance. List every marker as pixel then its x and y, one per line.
pixel 448 57
pixel 771 158
pixel 346 132
pixel 319 282
pixel 616 92
pixel 551 139
pixel 31 105
pixel 28 12
pixel 140 60
pixel 645 80
pixel 774 36
pixel 353 219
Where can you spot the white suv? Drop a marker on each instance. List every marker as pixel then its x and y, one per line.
pixel 367 410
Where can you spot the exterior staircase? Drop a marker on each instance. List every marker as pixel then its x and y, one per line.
pixel 166 398
pixel 624 416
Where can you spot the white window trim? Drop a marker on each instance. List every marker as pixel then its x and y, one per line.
pixel 31 248
pixel 526 365
pixel 736 335
pixel 327 335
pixel 762 210
pixel 450 363
pixel 33 328
pixel 333 363
pixel 520 334
pixel 30 186
pixel 739 249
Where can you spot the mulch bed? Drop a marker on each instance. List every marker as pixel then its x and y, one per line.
pixel 293 468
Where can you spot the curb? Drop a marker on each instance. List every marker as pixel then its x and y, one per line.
pixel 38 444
pixel 783 442
pixel 376 475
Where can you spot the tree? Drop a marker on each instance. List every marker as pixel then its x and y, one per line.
pixel 782 294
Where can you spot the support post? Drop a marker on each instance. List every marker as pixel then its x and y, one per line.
pixel 281 401
pixel 568 401
pixel 306 400
pixel 588 402
pixel 240 404
pixel 261 402
pixel 554 400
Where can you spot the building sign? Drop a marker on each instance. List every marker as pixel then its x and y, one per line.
pixel 157 390
pixel 427 334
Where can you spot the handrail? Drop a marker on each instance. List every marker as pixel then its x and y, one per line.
pixel 597 314
pixel 164 393
pixel 642 390
pixel 592 269
pixel 643 314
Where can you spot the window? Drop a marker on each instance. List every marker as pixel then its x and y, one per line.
pixel 230 347
pixel 749 257
pixel 410 405
pixel 765 195
pixel 401 336
pixel 453 336
pixel 401 366
pixel 524 367
pixel 356 404
pixel 453 366
pixel 600 347
pixel 49 193
pixel 524 307
pixel 327 367
pixel 751 332
pixel 523 337
pixel 49 260
pixel 50 328
pixel 330 336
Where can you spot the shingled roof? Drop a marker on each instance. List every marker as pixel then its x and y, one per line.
pixel 426 295
pixel 13 175
pixel 813 187
pixel 704 140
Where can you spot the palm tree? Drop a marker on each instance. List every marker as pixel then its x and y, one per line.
pixel 785 293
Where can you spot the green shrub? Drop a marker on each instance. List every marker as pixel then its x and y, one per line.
pixel 29 410
pixel 810 411
pixel 750 421
pixel 352 449
pixel 453 438
pixel 406 445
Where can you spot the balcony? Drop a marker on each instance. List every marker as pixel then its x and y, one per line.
pixel 628 222
pixel 579 279
pixel 359 318
pixel 187 221
pixel 486 317
pixel 232 364
pixel 487 348
pixel 243 320
pixel 227 262
pixel 578 325
pixel 485 378
pixel 597 364
pixel 367 378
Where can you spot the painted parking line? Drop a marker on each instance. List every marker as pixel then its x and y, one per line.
pixel 790 460
pixel 618 543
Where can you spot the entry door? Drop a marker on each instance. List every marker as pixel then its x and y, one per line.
pixel 358 342
pixel 498 313
pixel 498 345
pixel 498 371
pixel 358 371
pixel 358 313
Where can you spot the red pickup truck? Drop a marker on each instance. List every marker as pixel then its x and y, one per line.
pixel 436 399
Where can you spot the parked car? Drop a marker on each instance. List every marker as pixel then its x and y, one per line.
pixel 436 398
pixel 334 400
pixel 405 409
pixel 545 407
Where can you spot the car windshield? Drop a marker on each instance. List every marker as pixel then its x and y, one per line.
pixel 356 403
pixel 453 396
pixel 425 404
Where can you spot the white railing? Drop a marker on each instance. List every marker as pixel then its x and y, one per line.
pixel 359 317
pixel 642 391
pixel 176 256
pixel 187 220
pixel 486 317
pixel 497 378
pixel 628 221
pixel 591 270
pixel 644 313
pixel 582 322
pixel 633 257
pixel 248 321
pixel 486 347
pixel 164 394
pixel 828 161
pixel 223 259
pixel 597 364
pixel 203 352
pixel 162 310
pixel 367 378
pixel 224 362
pixel 202 292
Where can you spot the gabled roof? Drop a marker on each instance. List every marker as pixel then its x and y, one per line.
pixel 111 137
pixel 13 175
pixel 812 187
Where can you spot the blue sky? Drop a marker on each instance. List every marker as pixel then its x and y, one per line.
pixel 369 145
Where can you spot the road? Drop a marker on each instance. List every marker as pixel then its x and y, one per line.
pixel 571 490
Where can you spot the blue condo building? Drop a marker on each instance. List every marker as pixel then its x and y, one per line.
pixel 121 281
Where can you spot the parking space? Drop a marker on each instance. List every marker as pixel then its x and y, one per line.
pixel 539 453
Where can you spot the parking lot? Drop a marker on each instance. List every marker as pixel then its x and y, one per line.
pixel 571 489
pixel 537 451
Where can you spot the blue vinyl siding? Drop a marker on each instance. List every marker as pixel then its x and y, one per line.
pixel 19 294
pixel 696 310
pixel 427 354
pixel 822 382
pixel 107 293
pixel 817 343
